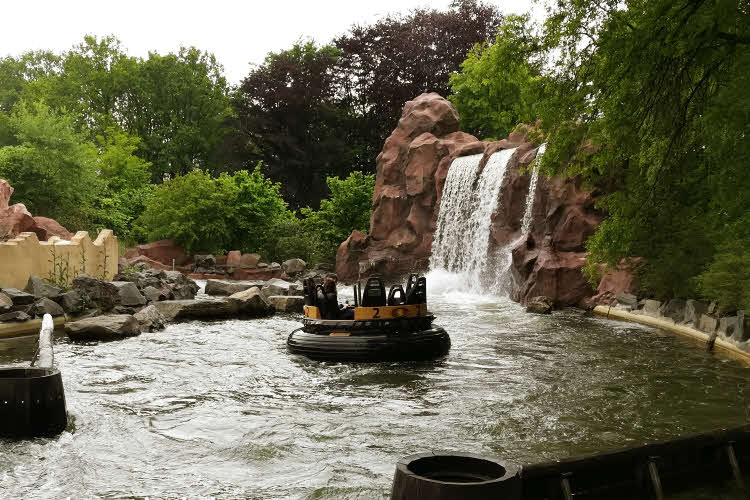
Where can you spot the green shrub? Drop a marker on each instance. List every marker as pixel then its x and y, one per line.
pixel 205 214
pixel 256 211
pixel 51 167
pixel 192 209
pixel 291 240
pixel 348 208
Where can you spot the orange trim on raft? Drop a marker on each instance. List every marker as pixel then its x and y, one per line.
pixel 312 312
pixel 390 312
pixel 383 312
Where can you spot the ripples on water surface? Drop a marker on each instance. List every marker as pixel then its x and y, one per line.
pixel 221 409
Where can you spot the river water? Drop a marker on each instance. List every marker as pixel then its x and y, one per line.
pixel 220 409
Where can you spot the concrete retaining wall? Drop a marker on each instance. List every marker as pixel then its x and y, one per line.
pixel 26 256
pixel 722 345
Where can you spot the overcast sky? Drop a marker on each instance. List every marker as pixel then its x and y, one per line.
pixel 238 32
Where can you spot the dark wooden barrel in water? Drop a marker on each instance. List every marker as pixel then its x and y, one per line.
pixel 32 402
pixel 455 476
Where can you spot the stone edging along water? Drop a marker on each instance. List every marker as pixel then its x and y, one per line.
pixel 23 328
pixel 722 346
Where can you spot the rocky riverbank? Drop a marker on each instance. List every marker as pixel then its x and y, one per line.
pixel 142 301
pixel 235 265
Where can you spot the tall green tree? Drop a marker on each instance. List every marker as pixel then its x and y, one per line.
pixel 399 57
pixel 647 103
pixel 17 73
pixel 51 167
pixel 177 104
pixel 289 112
pixel 500 84
pixel 316 111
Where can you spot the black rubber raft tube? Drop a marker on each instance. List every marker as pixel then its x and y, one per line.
pixel 455 476
pixel 372 346
pixel 32 402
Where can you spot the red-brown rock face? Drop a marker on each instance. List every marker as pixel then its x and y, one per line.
pixel 164 251
pixel 411 173
pixel 16 219
pixel 550 258
pixel 52 228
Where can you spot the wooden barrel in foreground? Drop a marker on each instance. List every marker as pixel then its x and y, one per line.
pixel 455 476
pixel 32 402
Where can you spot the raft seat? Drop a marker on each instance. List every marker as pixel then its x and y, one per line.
pixel 396 301
pixel 417 293
pixel 374 293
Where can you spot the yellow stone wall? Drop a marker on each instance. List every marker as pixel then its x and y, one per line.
pixel 26 256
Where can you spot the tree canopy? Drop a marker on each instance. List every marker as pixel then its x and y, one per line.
pixel 656 87
pixel 500 84
pixel 315 111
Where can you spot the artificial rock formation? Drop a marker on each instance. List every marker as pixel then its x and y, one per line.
pixel 16 219
pixel 411 172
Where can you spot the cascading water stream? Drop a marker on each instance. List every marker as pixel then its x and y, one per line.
pixel 526 221
pixel 504 257
pixel 462 236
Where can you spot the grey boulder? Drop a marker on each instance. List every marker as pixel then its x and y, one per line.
pixel 693 312
pixel 183 310
pixel 46 306
pixel 275 286
pixel 651 308
pixel 40 288
pixel 72 302
pixel 205 261
pixel 227 288
pixel 627 299
pixel 539 305
pixel 182 286
pixel 732 327
pixel 293 266
pixel 98 293
pixel 154 294
pixel 708 323
pixel 287 303
pixel 18 297
pixel 5 302
pixel 673 309
pixel 150 319
pixel 109 327
pixel 14 316
pixel 251 302
pixel 128 294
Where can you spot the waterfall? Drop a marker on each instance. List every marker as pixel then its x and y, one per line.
pixel 462 235
pixel 504 257
pixel 461 246
pixel 526 221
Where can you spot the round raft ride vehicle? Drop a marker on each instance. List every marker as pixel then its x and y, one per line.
pixel 380 327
